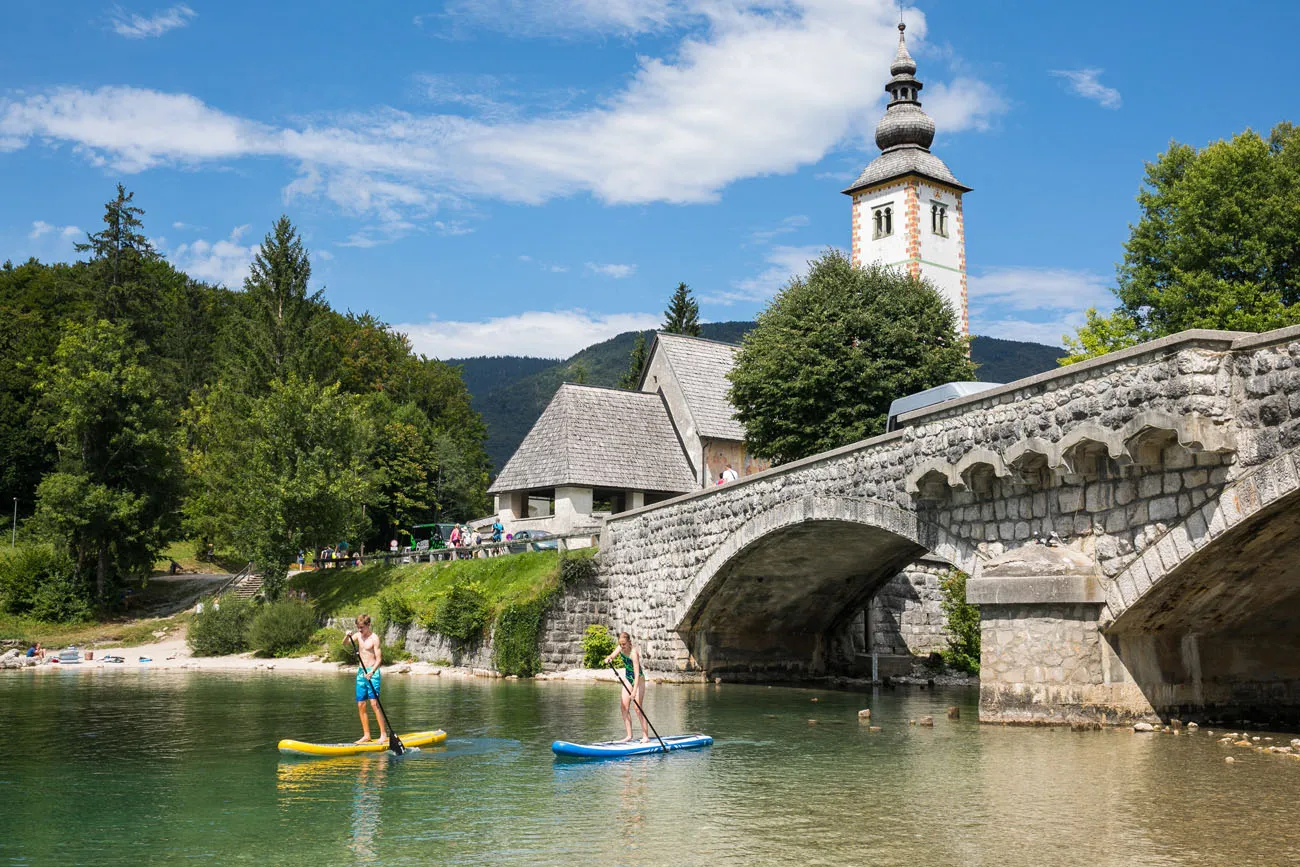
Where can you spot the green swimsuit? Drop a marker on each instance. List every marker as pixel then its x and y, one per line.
pixel 629 668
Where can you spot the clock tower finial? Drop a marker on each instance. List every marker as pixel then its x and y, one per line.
pixel 907 208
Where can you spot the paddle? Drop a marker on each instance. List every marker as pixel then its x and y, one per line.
pixel 394 742
pixel 638 706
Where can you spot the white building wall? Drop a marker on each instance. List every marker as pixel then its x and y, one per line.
pixel 943 259
pixel 891 249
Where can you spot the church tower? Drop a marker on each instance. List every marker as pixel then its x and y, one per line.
pixel 906 203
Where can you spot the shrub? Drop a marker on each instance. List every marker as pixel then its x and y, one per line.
pixel 576 568
pixel 514 644
pixel 395 608
pixel 963 650
pixel 217 632
pixel 463 613
pixel 283 625
pixel 42 582
pixel 597 643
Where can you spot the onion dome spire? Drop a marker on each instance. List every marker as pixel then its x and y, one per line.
pixel 904 123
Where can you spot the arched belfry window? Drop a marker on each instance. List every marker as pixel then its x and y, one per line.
pixel 882 219
pixel 939 219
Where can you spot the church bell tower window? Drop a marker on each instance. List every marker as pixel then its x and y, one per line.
pixel 882 221
pixel 939 219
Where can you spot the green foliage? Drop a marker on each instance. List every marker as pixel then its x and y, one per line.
pixel 636 364
pixel 517 636
pixel 111 498
pixel 42 582
pixel 280 626
pixel 578 566
pixel 597 643
pixel 395 608
pixel 683 313
pixel 463 613
pixel 1217 245
pixel 221 631
pixel 963 621
pixel 831 352
pixel 290 474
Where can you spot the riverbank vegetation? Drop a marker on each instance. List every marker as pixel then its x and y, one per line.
pixel 140 406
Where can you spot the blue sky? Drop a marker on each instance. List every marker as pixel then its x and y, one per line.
pixel 530 176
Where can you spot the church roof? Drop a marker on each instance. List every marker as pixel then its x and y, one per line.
pixel 701 367
pixel 905 161
pixel 600 438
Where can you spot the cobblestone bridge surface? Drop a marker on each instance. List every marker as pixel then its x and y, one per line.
pixel 1129 525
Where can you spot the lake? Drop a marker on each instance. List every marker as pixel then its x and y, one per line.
pixel 111 766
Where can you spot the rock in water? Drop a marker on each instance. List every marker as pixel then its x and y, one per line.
pixel 954 712
pixel 865 713
pixel 1228 760
pixel 926 721
pixel 1143 727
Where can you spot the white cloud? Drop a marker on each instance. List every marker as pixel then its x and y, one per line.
pixel 451 227
pixel 323 255
pixel 1085 83
pixel 782 263
pixel 40 228
pixel 545 334
pixel 223 262
pixel 1035 304
pixel 750 87
pixel 789 224
pixel 135 26
pixel 617 272
pixel 1039 289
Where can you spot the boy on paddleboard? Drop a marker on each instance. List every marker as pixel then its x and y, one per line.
pixel 368 677
pixel 635 677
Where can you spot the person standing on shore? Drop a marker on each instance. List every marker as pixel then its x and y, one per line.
pixel 368 684
pixel 634 676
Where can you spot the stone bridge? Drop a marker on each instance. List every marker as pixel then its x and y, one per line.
pixel 1129 525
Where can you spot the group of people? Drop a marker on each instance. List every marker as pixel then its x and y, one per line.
pixel 368 681
pixel 727 475
pixel 463 537
pixel 331 557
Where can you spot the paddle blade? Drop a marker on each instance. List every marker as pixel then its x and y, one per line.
pixel 395 744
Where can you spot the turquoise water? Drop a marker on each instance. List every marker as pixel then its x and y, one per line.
pixel 164 767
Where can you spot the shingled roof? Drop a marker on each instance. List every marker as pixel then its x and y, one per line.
pixel 701 367
pixel 600 438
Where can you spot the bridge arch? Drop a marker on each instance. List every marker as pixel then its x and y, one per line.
pixel 1205 618
pixel 768 597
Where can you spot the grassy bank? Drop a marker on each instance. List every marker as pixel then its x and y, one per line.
pixel 462 599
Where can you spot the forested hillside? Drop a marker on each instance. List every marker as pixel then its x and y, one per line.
pixel 510 407
pixel 139 406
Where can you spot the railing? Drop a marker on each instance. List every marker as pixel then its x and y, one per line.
pixel 235 579
pixel 586 538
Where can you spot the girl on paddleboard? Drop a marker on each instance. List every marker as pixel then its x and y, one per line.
pixel 633 674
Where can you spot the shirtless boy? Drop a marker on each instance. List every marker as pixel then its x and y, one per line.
pixel 368 690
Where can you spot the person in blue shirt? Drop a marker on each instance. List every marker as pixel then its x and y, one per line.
pixel 497 530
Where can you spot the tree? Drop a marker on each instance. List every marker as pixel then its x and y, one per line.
pixel 121 252
pixel 111 498
pixel 292 475
pixel 1217 245
pixel 279 330
pixel 683 313
pixel 833 349
pixel 636 365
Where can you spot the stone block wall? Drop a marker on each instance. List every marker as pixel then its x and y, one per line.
pixel 906 615
pixel 579 606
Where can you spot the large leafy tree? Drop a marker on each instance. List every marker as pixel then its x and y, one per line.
pixel 833 349
pixel 280 328
pixel 1217 245
pixel 293 475
pixel 683 313
pixel 112 496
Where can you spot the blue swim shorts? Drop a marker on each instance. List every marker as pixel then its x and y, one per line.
pixel 364 690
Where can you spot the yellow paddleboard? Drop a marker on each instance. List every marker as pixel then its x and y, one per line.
pixel 414 739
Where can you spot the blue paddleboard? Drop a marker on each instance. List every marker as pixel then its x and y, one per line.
pixel 615 749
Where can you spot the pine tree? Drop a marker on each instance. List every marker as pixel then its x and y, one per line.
pixel 683 313
pixel 121 290
pixel 279 329
pixel 636 364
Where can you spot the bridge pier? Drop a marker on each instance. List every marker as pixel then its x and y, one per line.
pixel 1043 658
